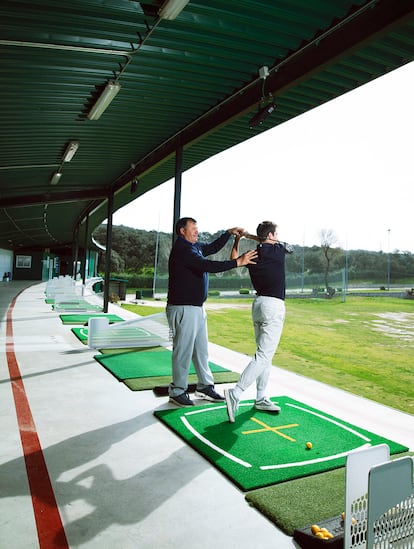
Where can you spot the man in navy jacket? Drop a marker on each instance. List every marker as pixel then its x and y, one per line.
pixel 188 271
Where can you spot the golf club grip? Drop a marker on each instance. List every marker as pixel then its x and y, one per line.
pixel 288 247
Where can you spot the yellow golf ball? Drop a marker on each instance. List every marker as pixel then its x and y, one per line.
pixel 309 445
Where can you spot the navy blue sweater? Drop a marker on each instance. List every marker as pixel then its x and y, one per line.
pixel 188 268
pixel 268 274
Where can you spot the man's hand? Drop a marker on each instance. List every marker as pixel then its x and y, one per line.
pixel 247 258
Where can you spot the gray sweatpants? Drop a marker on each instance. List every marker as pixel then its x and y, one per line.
pixel 188 325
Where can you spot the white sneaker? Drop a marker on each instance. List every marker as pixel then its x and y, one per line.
pixel 266 405
pixel 232 404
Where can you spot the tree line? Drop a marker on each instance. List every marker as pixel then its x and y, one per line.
pixel 136 252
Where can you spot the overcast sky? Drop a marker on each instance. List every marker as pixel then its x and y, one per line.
pixel 346 166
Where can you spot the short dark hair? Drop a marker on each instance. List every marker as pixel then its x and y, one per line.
pixel 182 222
pixel 264 228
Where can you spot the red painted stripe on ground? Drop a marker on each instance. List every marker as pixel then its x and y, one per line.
pixel 48 521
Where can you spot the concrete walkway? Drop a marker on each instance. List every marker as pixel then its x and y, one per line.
pixel 83 451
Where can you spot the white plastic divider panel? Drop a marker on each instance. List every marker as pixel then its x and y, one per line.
pixel 72 299
pixel 390 523
pixel 358 465
pixel 147 331
pixel 96 325
pixel 58 284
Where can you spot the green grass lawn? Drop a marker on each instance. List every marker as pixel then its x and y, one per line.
pixel 363 345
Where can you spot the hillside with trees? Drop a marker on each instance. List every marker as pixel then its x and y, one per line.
pixel 136 254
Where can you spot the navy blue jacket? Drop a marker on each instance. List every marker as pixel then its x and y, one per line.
pixel 188 268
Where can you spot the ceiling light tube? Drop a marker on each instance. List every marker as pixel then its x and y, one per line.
pixel 104 100
pixel 56 178
pixel 70 151
pixel 172 8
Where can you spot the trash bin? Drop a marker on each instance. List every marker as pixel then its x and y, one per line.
pixel 117 286
pixel 97 288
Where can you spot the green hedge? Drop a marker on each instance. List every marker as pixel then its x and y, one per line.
pixel 237 283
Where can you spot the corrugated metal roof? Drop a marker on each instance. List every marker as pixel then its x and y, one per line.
pixel 193 81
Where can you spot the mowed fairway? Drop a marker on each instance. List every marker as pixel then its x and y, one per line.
pixel 364 345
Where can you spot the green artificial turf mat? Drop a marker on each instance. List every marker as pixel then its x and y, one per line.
pixel 143 364
pixel 261 449
pixel 304 501
pixel 123 350
pixel 83 318
pixel 145 383
pixel 81 334
pixel 308 500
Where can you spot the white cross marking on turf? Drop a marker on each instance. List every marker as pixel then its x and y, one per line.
pixel 273 429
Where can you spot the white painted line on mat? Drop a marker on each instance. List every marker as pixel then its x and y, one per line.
pixel 213 446
pixel 312 461
pixel 330 421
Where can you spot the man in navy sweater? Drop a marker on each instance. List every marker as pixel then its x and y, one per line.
pixel 188 271
pixel 268 315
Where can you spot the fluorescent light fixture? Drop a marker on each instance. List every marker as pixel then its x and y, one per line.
pixel 56 178
pixel 172 8
pixel 104 100
pixel 70 151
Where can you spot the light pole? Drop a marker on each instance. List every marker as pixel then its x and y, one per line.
pixel 388 261
pixel 154 278
pixel 303 262
pixel 345 275
pixel 303 268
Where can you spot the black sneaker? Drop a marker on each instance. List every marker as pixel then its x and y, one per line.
pixel 209 394
pixel 182 400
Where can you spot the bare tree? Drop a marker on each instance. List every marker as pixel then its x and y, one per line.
pixel 328 240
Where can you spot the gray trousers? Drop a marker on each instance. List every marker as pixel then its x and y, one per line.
pixel 188 325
